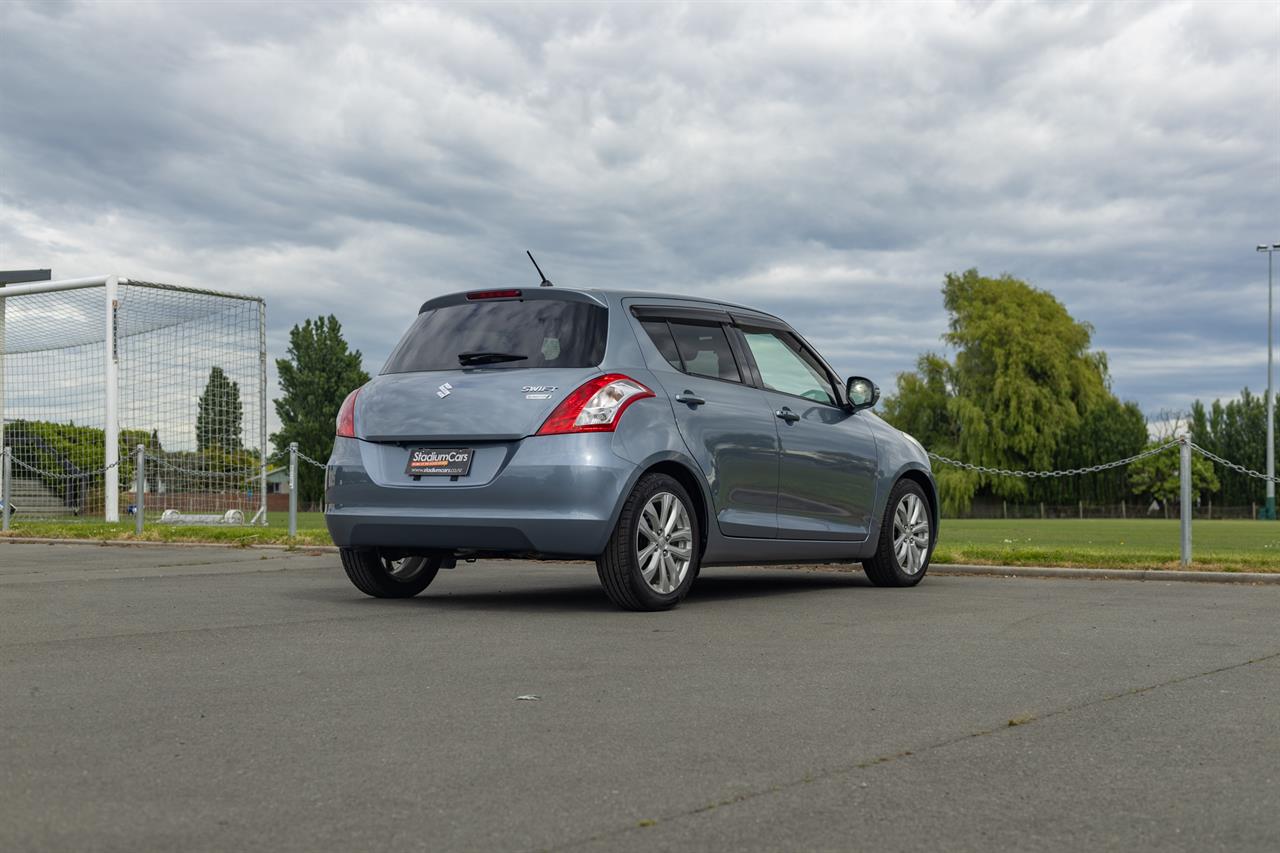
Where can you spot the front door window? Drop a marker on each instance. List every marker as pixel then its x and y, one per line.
pixel 787 367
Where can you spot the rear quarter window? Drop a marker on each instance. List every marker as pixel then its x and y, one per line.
pixel 542 332
pixel 661 336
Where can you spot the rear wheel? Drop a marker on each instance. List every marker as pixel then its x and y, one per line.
pixel 652 557
pixel 906 538
pixel 380 577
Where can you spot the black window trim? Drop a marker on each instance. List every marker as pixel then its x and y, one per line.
pixel 676 312
pixel 733 323
pixel 761 321
pixel 743 354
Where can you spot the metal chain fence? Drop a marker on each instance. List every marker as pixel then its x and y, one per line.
pixel 54 475
pixel 1070 472
pixel 305 458
pixel 140 460
pixel 1105 466
pixel 141 464
pixel 1232 465
pixel 1186 448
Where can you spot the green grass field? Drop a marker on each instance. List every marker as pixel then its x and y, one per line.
pixel 1241 546
pixel 311 531
pixel 1104 543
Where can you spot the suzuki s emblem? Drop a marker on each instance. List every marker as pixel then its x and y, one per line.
pixel 444 390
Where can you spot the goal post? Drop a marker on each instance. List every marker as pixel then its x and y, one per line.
pixel 111 409
pixel 92 367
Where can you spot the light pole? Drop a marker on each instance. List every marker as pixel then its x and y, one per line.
pixel 1270 510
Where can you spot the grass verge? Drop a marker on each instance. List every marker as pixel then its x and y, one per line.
pixel 1229 546
pixel 311 531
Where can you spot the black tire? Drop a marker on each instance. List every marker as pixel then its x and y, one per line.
pixel 619 567
pixel 885 568
pixel 379 577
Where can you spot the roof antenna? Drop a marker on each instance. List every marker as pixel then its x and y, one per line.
pixel 546 282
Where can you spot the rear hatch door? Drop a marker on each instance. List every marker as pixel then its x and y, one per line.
pixel 463 405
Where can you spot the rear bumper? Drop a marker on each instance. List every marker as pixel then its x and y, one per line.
pixel 555 495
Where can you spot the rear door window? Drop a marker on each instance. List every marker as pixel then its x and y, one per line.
pixel 704 350
pixel 503 334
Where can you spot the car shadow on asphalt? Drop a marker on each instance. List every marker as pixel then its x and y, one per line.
pixel 716 585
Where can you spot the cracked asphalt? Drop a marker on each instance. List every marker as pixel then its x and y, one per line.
pixel 223 699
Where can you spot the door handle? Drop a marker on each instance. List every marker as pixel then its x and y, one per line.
pixel 787 415
pixel 689 398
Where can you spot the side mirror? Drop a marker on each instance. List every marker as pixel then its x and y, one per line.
pixel 862 393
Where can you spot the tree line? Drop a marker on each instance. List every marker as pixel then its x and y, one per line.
pixel 1236 430
pixel 1025 391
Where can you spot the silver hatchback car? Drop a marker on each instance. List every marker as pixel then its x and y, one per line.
pixel 652 434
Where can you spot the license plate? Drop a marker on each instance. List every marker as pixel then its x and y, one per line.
pixel 439 461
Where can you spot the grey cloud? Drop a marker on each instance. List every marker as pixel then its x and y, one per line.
pixel 827 162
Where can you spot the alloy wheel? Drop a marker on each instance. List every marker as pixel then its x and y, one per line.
pixel 911 533
pixel 664 543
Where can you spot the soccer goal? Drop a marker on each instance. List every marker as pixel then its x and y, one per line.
pixel 94 367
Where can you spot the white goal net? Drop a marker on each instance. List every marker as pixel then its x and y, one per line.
pixel 92 368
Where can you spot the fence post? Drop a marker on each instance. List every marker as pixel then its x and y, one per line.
pixel 139 489
pixel 6 478
pixel 1184 470
pixel 1123 511
pixel 1082 510
pixel 293 489
pixel 1004 508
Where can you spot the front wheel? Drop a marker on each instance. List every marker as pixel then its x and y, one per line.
pixel 380 577
pixel 652 557
pixel 906 538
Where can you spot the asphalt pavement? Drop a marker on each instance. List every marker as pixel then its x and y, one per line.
pixel 230 699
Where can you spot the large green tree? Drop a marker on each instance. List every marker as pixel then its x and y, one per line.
pixel 219 418
pixel 1024 392
pixel 1235 430
pixel 1108 431
pixel 315 377
pixel 1160 476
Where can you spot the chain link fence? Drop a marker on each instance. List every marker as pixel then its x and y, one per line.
pixel 90 368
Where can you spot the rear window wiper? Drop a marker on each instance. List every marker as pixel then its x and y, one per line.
pixel 469 358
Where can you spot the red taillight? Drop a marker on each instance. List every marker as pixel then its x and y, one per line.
pixel 596 406
pixel 494 294
pixel 347 416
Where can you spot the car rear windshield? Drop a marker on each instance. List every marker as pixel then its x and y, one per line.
pixel 502 335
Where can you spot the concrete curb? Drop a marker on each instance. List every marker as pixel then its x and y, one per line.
pixel 142 543
pixel 1106 574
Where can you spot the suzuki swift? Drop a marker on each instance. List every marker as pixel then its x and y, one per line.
pixel 651 434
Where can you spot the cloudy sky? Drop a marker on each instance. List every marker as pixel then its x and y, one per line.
pixel 826 162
